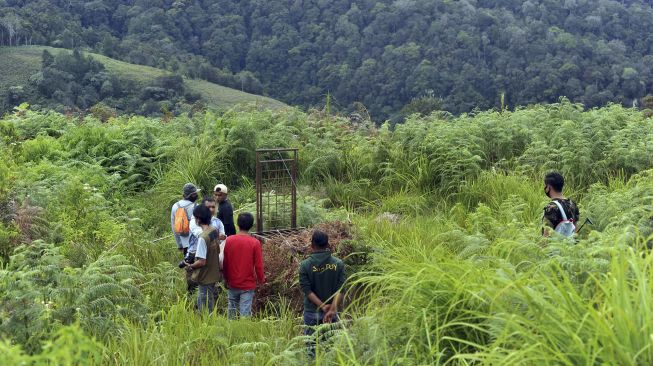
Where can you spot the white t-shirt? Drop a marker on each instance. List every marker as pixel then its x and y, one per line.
pixel 201 249
pixel 197 230
pixel 201 244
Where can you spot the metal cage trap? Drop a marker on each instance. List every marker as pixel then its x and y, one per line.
pixel 276 191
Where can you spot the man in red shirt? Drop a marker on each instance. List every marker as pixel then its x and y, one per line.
pixel 242 267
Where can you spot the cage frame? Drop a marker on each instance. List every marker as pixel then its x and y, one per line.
pixel 276 173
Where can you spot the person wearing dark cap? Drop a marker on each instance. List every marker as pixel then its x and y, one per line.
pixel 181 214
pixel 225 211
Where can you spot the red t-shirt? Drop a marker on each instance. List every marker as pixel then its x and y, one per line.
pixel 243 262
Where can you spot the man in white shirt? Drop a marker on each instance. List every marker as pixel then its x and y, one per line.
pixel 205 271
pixel 196 230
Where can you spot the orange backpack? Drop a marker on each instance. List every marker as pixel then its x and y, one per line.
pixel 182 224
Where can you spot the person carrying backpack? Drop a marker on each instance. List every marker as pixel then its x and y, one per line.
pixel 181 215
pixel 561 214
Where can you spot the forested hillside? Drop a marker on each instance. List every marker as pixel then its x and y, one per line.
pixel 383 54
pixel 50 78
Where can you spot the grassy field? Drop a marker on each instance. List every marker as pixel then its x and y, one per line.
pixel 447 263
pixel 17 64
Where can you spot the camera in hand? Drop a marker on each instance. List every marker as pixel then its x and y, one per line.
pixel 189 259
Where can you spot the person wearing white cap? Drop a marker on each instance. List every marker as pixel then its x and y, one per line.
pixel 225 211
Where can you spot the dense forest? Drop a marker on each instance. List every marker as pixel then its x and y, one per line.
pixel 390 57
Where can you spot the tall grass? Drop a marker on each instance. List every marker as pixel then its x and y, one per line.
pixel 548 319
pixel 481 286
pixel 179 336
pixel 450 209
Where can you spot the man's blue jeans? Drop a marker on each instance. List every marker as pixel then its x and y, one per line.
pixel 311 321
pixel 240 300
pixel 206 297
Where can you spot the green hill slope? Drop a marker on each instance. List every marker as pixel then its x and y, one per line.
pixel 17 64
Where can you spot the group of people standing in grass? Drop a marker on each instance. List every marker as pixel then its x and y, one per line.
pixel 200 232
pixel 214 252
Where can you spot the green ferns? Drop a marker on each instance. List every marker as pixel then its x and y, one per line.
pixel 40 291
pixel 449 267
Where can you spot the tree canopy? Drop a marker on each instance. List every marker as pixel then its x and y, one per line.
pixel 384 54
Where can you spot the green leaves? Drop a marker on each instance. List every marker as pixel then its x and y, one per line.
pixel 454 266
pixel 39 293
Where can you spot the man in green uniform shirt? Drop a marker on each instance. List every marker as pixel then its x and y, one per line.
pixel 321 277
